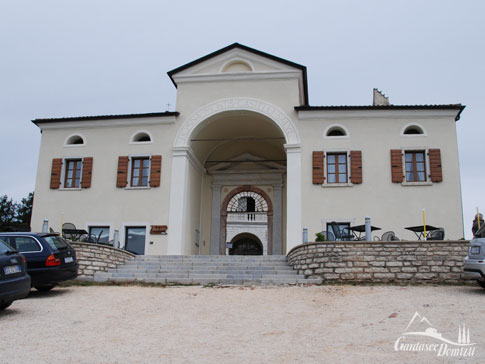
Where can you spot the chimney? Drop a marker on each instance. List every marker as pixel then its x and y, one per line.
pixel 380 99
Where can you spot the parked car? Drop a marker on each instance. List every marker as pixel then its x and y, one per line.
pixel 50 258
pixel 474 266
pixel 14 280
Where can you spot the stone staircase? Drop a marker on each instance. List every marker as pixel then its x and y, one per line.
pixel 206 269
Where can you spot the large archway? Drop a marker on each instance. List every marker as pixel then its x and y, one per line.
pixel 199 118
pixel 227 140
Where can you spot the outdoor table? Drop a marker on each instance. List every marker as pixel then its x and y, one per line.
pixel 419 230
pixel 361 229
pixel 74 233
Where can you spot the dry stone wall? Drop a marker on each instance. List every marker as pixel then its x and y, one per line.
pixel 98 257
pixel 400 262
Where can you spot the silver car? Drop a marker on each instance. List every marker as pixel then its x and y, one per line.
pixel 475 260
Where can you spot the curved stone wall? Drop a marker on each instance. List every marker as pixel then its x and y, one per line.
pixel 397 261
pixel 98 257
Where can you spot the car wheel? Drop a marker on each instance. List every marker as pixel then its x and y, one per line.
pixel 45 288
pixel 3 306
pixel 481 283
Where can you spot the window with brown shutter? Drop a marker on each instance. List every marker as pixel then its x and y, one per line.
pixel 155 170
pixel 396 166
pixel 87 172
pixel 56 173
pixel 356 166
pixel 72 173
pixel 436 173
pixel 317 168
pixel 337 168
pixel 139 171
pixel 122 175
pixel 415 166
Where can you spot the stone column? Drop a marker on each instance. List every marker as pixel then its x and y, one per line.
pixel 215 219
pixel 277 219
pixel 178 193
pixel 293 196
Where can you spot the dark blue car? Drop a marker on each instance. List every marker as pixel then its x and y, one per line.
pixel 50 258
pixel 14 280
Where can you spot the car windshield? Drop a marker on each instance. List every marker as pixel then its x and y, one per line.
pixel 56 242
pixel 4 247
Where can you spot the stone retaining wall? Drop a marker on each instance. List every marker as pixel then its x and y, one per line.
pixel 402 261
pixel 97 257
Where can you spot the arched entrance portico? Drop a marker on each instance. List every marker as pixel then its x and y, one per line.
pixel 186 159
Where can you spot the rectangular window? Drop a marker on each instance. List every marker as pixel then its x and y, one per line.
pixel 140 168
pixel 72 175
pixel 99 233
pixel 135 239
pixel 337 168
pixel 415 166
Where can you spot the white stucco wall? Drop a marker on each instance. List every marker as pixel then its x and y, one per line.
pixel 104 203
pixel 392 206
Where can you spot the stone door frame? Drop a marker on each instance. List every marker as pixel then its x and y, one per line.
pixel 223 216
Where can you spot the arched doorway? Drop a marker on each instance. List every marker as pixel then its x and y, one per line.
pixel 247 210
pixel 246 244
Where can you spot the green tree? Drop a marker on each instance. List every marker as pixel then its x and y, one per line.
pixel 24 209
pixel 7 212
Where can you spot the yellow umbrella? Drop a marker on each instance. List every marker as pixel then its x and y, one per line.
pixel 424 224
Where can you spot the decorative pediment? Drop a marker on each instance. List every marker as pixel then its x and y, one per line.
pixel 238 62
pixel 244 163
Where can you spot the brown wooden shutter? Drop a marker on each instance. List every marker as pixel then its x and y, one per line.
pixel 155 170
pixel 87 172
pixel 435 165
pixel 317 168
pixel 122 176
pixel 56 173
pixel 356 166
pixel 396 166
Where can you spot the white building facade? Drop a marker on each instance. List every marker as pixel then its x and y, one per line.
pixel 245 160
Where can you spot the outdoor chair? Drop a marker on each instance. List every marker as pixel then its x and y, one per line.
pixel 389 236
pixel 91 238
pixel 437 234
pixel 343 234
pixel 329 236
pixel 69 226
pixel 480 233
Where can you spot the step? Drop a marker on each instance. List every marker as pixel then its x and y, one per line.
pixel 212 280
pixel 132 268
pixel 248 271
pixel 206 269
pixel 232 257
pixel 206 263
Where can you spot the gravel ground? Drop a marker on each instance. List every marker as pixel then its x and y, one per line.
pixel 317 324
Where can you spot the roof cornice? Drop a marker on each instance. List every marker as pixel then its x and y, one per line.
pixel 458 107
pixel 106 117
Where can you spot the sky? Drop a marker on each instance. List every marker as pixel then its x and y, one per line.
pixel 63 58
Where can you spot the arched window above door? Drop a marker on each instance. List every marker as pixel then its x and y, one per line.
pixel 247 201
